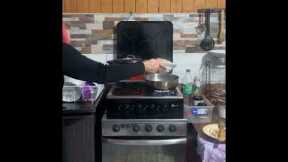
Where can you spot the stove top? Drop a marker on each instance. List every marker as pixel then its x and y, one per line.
pixel 136 100
pixel 139 89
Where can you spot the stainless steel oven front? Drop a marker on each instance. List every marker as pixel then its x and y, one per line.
pixel 144 140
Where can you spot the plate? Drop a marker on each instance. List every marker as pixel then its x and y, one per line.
pixel 211 130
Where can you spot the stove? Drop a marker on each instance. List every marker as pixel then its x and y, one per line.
pixel 137 100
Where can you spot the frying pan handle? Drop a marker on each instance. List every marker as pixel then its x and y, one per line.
pixel 131 56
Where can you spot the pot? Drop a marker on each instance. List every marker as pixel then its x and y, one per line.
pixel 162 81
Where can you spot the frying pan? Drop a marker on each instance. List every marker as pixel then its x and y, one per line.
pixel 162 81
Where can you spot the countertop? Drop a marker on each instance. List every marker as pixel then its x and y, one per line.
pixel 80 108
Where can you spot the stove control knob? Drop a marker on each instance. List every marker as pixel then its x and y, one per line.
pixel 160 128
pixel 128 108
pixel 120 107
pixel 148 128
pixel 172 128
pixel 116 128
pixel 136 128
pixel 158 108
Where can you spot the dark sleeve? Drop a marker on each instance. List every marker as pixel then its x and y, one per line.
pixel 80 67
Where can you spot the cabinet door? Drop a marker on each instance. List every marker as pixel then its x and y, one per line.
pixel 78 138
pixel 141 6
pixel 95 6
pixel 176 5
pixel 164 6
pixel 221 4
pixel 70 5
pixel 118 6
pixel 107 6
pixel 129 5
pixel 83 6
pixel 153 6
pixel 188 5
pixel 200 4
pixel 211 3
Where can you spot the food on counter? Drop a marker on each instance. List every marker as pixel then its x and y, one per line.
pixel 215 131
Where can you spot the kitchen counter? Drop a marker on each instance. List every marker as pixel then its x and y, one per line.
pixel 80 108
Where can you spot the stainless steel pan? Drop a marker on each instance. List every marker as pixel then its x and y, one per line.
pixel 162 81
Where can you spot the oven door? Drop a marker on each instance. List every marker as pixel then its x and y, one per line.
pixel 143 150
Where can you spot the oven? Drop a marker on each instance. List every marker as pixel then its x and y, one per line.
pixel 144 150
pixel 144 140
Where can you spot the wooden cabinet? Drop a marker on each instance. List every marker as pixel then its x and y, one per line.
pixel 188 5
pixel 153 6
pixel 118 6
pixel 94 6
pixel 139 6
pixel 165 6
pixel 176 5
pixel 221 4
pixel 129 5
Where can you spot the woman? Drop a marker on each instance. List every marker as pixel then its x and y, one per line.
pixel 80 67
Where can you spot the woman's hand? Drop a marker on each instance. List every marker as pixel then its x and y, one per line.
pixel 152 65
pixel 155 65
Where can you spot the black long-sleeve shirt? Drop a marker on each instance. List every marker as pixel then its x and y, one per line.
pixel 80 67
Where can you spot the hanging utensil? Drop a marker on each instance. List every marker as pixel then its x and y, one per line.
pixel 221 35
pixel 201 27
pixel 207 43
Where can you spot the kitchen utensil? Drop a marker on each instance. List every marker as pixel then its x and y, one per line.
pixel 207 43
pixel 162 81
pixel 70 92
pixel 201 27
pixel 221 35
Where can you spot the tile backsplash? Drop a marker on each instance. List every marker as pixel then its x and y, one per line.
pixel 93 33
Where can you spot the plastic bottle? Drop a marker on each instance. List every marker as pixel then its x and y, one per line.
pixel 196 91
pixel 187 88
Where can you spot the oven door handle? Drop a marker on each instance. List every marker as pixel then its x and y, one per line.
pixel 141 142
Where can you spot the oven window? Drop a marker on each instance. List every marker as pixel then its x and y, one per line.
pixel 124 153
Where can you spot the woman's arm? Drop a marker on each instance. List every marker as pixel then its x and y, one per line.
pixel 80 67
